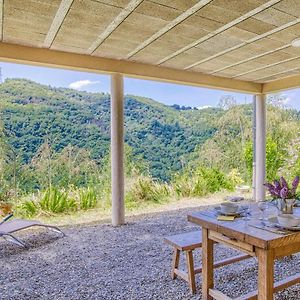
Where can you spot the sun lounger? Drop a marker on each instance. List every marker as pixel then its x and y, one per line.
pixel 7 228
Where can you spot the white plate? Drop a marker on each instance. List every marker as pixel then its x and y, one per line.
pixel 296 228
pixel 218 209
pixel 274 221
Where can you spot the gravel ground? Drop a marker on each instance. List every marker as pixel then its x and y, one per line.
pixel 129 262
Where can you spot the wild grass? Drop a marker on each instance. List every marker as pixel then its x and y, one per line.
pixel 145 189
pixel 202 181
pixel 141 191
pixel 58 201
pixel 87 198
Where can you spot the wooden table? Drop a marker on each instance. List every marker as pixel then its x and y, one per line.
pixel 257 242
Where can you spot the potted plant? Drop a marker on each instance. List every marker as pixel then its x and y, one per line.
pixel 285 195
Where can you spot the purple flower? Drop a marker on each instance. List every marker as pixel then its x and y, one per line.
pixel 284 193
pixel 295 183
pixel 269 185
pixel 283 182
pixel 277 186
pixel 280 188
pixel 274 192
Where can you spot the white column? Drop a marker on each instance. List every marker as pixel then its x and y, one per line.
pixel 117 149
pixel 260 147
pixel 254 148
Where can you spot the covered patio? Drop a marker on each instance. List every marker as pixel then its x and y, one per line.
pixel 243 46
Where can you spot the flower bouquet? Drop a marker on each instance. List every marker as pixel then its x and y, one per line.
pixel 285 195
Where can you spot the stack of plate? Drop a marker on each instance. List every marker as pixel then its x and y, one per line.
pixel 286 221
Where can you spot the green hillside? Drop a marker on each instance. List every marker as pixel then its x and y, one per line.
pixel 55 146
pixel 33 113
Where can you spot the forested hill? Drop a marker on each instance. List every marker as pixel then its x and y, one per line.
pixel 164 136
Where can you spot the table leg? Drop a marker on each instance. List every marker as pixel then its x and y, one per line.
pixel 265 274
pixel 207 265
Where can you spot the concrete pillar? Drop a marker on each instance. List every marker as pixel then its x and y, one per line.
pixel 260 147
pixel 117 149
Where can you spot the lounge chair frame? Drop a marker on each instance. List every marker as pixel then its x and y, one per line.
pixel 7 228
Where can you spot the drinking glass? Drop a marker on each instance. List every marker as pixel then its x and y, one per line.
pixel 246 211
pixel 263 206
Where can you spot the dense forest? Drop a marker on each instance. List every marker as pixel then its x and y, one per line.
pixel 55 147
pixel 33 113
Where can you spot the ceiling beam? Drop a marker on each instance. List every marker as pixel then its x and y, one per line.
pixel 169 26
pixel 60 15
pixel 288 83
pixel 132 5
pixel 88 63
pixel 221 29
pixel 1 18
pixel 250 41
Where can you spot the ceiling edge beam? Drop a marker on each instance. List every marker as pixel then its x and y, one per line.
pixel 288 83
pixel 114 24
pixel 88 63
pixel 220 30
pixel 59 17
pixel 169 26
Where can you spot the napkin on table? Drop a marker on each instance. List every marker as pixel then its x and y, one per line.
pixel 225 218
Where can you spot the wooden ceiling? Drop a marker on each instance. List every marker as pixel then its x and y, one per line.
pixel 248 40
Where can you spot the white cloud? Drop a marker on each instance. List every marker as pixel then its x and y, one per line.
pixel 204 106
pixel 78 85
pixel 287 98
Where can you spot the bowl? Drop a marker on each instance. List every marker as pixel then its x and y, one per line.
pixel 288 220
pixel 228 208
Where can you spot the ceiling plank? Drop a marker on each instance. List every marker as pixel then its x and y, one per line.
pixel 252 40
pixel 132 5
pixel 278 73
pixel 288 83
pixel 60 15
pixel 251 58
pixel 221 29
pixel 82 62
pixel 266 66
pixel 169 26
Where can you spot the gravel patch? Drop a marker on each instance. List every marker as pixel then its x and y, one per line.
pixel 128 262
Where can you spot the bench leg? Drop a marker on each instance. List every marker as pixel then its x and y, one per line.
pixel 175 263
pixel 191 270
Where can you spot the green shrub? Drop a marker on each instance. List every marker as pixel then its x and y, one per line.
pixel 87 198
pixel 145 189
pixel 29 208
pixel 57 201
pixel 201 182
pixel 182 185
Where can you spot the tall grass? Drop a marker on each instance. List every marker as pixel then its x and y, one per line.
pixel 202 181
pixel 58 201
pixel 87 198
pixel 145 189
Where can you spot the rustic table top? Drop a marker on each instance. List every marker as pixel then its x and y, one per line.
pixel 251 232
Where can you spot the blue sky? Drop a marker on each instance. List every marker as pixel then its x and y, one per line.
pixel 163 92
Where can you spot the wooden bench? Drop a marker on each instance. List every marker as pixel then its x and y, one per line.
pixel 187 242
